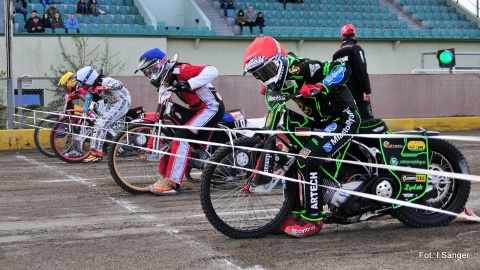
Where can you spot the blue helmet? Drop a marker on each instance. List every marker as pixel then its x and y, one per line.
pixel 154 64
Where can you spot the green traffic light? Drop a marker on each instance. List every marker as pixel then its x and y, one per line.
pixel 445 57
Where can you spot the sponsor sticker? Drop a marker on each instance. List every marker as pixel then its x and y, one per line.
pixel 416 146
pixel 302 132
pixel 305 152
pixel 387 144
pixel 393 161
pixel 327 147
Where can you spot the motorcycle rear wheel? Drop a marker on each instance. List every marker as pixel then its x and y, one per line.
pixel 227 202
pixel 41 135
pixel 451 194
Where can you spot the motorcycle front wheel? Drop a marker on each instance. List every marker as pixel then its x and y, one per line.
pixel 449 194
pixel 70 139
pixel 227 201
pixel 41 135
pixel 132 164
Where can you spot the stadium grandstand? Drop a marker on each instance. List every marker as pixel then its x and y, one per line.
pixel 309 19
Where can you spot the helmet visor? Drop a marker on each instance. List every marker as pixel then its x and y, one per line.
pixel 266 72
pixel 153 71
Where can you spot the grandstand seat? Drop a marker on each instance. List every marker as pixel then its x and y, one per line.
pixel 96 19
pixel 128 19
pixel 118 2
pixel 403 25
pixel 123 10
pixel 231 13
pixel 107 19
pixel 107 2
pixel 133 10
pixel 128 2
pixel 118 19
pixel 139 19
pixel 86 19
pixel 19 18
pixel 71 9
pixel 112 10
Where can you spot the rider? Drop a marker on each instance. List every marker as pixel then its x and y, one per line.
pixel 326 99
pixel 206 108
pixel 117 99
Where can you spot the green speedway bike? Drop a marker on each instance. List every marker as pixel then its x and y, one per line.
pixel 240 207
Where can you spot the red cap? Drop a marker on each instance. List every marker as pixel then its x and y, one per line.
pixel 348 29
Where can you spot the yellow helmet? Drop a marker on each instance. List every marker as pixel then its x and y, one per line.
pixel 68 80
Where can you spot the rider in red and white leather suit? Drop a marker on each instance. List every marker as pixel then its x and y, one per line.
pixel 206 109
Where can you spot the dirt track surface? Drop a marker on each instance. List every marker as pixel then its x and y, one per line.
pixel 55 215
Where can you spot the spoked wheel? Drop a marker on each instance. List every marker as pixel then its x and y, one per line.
pixel 226 198
pixel 445 193
pixel 70 139
pixel 41 135
pixel 132 164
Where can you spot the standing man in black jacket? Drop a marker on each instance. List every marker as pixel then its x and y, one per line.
pixel 359 83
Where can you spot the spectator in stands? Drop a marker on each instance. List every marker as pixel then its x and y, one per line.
pixel 260 22
pixel 57 23
pixel 33 14
pixel 227 4
pixel 354 57
pixel 250 18
pixel 46 21
pixel 20 6
pixel 93 7
pixel 240 20
pixel 46 2
pixel 35 26
pixel 72 23
pixel 52 10
pixel 82 7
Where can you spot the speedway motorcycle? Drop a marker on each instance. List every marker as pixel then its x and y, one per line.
pixel 135 154
pixel 242 207
pixel 70 135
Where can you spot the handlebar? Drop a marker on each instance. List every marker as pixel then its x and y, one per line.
pixel 298 95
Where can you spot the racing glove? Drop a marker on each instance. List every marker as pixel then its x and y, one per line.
pixel 309 90
pixel 181 85
pixel 98 88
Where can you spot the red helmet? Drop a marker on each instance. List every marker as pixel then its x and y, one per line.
pixel 348 29
pixel 266 59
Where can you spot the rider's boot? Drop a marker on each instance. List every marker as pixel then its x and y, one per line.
pixel 95 156
pixel 304 227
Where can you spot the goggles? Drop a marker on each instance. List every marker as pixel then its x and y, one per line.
pixel 153 71
pixel 266 72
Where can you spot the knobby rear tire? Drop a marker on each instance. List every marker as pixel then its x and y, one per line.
pixel 452 194
pixel 62 140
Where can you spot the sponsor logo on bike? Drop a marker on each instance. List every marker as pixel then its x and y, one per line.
pixel 378 129
pixel 335 76
pixel 387 144
pixel 267 162
pixel 408 195
pixel 276 98
pixel 416 146
pixel 313 69
pixel 327 147
pixel 305 152
pixel 350 121
pixel 393 161
pixel 302 132
pixel 313 190
pixel 294 70
pixel 268 122
pixel 330 127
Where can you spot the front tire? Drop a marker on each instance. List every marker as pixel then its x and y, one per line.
pixel 451 194
pixel 132 164
pixel 69 139
pixel 227 202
